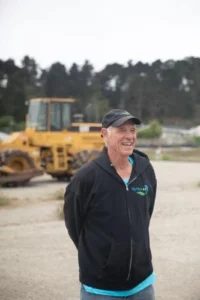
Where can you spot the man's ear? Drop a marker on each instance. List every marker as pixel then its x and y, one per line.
pixel 103 132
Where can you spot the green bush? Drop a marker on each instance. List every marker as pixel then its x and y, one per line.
pixel 197 140
pixel 8 124
pixel 19 126
pixel 153 131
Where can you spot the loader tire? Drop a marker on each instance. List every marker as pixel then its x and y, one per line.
pixel 18 161
pixel 81 158
pixel 63 178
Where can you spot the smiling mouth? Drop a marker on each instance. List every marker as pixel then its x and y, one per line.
pixel 127 144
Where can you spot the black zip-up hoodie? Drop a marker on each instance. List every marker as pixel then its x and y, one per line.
pixel 108 221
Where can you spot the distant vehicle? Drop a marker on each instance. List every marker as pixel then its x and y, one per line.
pixel 54 142
pixel 3 136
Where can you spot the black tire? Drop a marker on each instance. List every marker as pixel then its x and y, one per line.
pixel 62 178
pixel 81 158
pixel 6 157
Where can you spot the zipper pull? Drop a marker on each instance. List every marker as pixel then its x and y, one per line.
pixel 127 187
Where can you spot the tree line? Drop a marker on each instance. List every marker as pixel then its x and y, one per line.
pixel 167 91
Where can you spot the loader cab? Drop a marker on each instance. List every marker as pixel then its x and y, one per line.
pixel 50 114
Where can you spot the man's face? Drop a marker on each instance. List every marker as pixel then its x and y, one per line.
pixel 121 139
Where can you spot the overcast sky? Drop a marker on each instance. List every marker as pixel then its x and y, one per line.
pixel 102 31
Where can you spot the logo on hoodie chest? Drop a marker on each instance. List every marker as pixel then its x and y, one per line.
pixel 142 191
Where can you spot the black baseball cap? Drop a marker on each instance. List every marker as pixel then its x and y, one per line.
pixel 117 117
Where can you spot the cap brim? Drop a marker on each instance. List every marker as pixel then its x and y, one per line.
pixel 124 119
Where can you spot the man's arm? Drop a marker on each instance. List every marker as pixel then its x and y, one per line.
pixel 151 208
pixel 73 210
pixel 77 201
pixel 154 185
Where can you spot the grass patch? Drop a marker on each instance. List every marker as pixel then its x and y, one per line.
pixel 5 201
pixel 58 195
pixel 165 157
pixel 175 154
pixel 60 213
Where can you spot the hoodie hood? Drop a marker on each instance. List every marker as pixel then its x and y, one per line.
pixel 141 162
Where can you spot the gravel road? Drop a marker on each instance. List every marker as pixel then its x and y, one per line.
pixel 39 262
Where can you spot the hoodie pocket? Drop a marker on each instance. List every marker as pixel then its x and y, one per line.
pixel 117 264
pixel 142 260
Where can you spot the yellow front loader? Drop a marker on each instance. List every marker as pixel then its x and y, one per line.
pixel 53 143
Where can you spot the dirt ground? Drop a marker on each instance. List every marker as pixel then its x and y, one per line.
pixel 38 261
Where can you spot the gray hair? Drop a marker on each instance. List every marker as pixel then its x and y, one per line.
pixel 109 129
pixel 109 132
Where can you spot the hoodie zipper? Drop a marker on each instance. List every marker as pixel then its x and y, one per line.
pixel 130 261
pixel 130 182
pixel 131 244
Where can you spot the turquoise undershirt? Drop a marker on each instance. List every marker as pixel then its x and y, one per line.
pixel 144 284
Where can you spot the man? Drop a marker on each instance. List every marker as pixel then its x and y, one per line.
pixel 108 207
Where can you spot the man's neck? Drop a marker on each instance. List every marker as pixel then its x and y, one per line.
pixel 118 161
